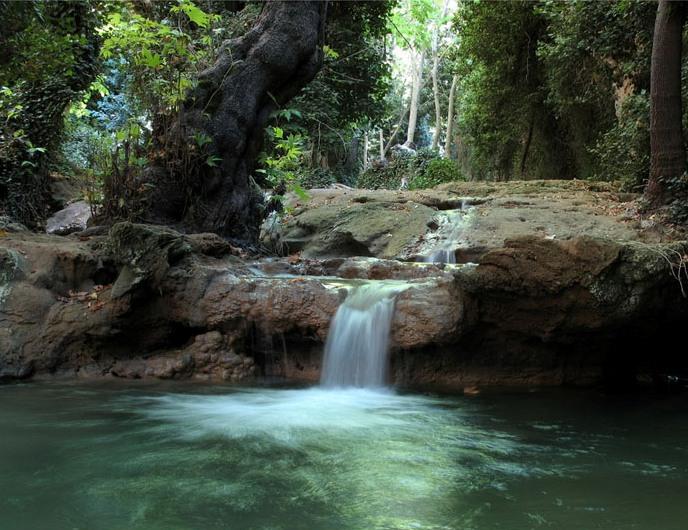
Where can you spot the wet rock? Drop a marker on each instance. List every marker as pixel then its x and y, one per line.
pixel 360 222
pixel 349 228
pixel 9 225
pixel 532 311
pixel 145 253
pixel 73 218
pixel 194 361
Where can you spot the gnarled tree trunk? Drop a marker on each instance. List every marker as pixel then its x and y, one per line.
pixel 667 152
pixel 252 76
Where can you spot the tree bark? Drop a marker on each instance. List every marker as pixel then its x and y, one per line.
pixel 365 151
pixel 667 151
pixel 526 147
pixel 252 76
pixel 436 93
pixel 450 116
pixel 415 96
pixel 404 112
pixel 435 84
pixel 382 146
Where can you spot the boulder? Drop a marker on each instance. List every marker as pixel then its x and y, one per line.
pixel 73 218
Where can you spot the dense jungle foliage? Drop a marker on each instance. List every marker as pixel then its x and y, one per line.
pixel 475 90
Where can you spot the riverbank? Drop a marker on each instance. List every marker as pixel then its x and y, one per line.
pixel 523 306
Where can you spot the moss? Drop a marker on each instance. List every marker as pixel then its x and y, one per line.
pixel 383 228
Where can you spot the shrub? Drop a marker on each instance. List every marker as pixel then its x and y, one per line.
pixel 623 152
pixel 421 170
pixel 316 178
pixel 436 171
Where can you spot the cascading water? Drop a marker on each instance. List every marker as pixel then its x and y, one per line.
pixel 357 344
pixel 451 227
pixel 442 255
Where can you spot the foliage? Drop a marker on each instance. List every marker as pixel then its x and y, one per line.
pixel 543 85
pixel 424 169
pixel 49 57
pixel 436 171
pixel 281 166
pixel 154 57
pixel 318 178
pixel 623 151
pixel 596 55
pixel 349 91
pixel 164 56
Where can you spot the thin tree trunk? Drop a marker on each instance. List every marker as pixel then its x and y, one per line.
pixel 351 162
pixel 526 147
pixel 436 93
pixel 415 97
pixel 435 84
pixel 382 146
pixel 365 151
pixel 667 152
pixel 404 112
pixel 450 116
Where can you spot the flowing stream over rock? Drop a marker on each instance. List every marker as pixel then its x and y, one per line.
pixel 358 341
pixel 451 225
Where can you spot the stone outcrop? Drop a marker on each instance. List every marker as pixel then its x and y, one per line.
pixel 73 218
pixel 146 301
pixel 399 224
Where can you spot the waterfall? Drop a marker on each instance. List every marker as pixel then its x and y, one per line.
pixel 442 255
pixel 451 227
pixel 357 344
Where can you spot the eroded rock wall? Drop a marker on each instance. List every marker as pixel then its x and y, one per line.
pixel 149 302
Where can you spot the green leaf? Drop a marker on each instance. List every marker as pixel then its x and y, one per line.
pixel 213 160
pixel 330 53
pixel 300 192
pixel 151 60
pixel 195 14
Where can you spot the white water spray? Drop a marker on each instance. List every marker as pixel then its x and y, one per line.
pixel 357 344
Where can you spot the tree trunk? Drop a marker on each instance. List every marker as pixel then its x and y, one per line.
pixel 351 164
pixel 436 92
pixel 415 96
pixel 404 112
pixel 526 147
pixel 450 117
pixel 435 84
pixel 667 152
pixel 210 188
pixel 365 151
pixel 382 146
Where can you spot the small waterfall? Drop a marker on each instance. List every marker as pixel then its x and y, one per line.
pixel 442 255
pixel 451 227
pixel 357 344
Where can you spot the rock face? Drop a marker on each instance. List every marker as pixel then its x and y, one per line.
pixel 146 301
pixel 357 228
pixel 399 224
pixel 73 218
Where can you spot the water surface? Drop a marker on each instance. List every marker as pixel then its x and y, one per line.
pixel 154 456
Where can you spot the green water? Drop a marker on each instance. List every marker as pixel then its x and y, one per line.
pixel 113 456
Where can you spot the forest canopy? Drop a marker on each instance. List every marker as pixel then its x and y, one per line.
pixel 121 100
